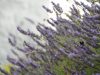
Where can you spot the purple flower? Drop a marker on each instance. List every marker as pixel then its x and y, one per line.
pixel 57 7
pixel 48 10
pixel 22 31
pixel 33 63
pixel 12 40
pixel 12 60
pixel 41 30
pixel 31 47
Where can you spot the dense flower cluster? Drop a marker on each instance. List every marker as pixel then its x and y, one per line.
pixel 71 49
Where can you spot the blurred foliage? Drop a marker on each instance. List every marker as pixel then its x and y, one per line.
pixel 71 49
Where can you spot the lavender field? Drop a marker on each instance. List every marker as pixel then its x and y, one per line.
pixel 63 41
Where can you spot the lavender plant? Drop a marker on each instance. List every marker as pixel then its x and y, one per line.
pixel 72 49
